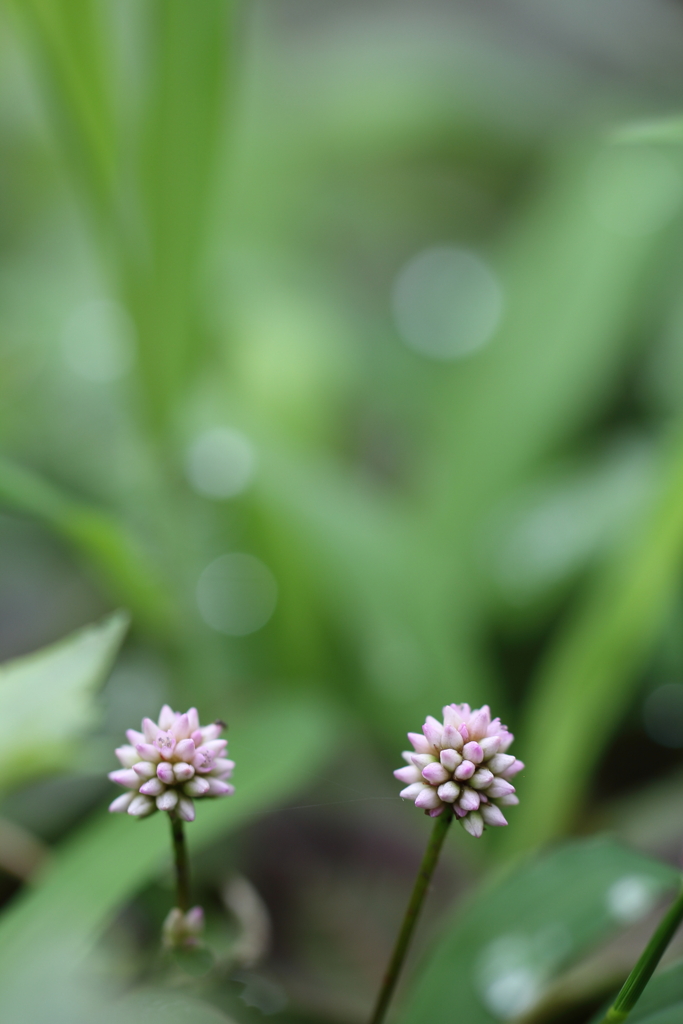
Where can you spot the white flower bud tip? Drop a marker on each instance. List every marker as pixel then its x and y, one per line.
pixel 127 756
pixel 473 823
pixel 196 787
pixel 182 771
pixel 185 808
pixel 469 747
pixel 166 773
pixel 435 774
pixel 167 800
pixel 154 787
pixel 141 806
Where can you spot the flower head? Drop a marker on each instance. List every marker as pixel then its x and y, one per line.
pixel 461 767
pixel 171 763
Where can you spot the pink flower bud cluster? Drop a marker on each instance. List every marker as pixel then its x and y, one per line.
pixel 461 766
pixel 170 764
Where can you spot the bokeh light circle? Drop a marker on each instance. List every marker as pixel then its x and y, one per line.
pixel 447 302
pixel 220 463
pixel 236 594
pixel 98 341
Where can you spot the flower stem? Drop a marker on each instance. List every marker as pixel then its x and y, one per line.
pixel 412 913
pixel 182 870
pixel 632 988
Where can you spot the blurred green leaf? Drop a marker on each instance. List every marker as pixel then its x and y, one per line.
pixel 48 696
pixel 49 930
pixel 121 564
pixel 571 269
pixel 587 679
pixel 658 130
pixel 517 933
pixel 371 566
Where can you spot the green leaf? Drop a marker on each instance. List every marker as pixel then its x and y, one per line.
pixel 588 677
pixel 519 931
pixel 47 932
pixel 47 696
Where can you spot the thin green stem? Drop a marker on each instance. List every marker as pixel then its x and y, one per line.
pixel 412 913
pixel 182 870
pixel 632 988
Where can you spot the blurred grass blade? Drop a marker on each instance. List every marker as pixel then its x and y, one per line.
pixel 48 696
pixel 570 271
pixel 121 565
pixel 181 128
pixel 374 569
pixel 585 684
pixel 112 857
pixel 496 958
pixel 74 59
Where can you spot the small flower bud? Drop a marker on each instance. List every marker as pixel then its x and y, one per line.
pixel 167 800
pixel 217 787
pixel 125 777
pixel 122 803
pixel 500 762
pixel 449 792
pixel 422 760
pixel 141 806
pixel 186 808
pixel 152 788
pixel 450 759
pixel 165 773
pixel 433 731
pixel 473 823
pixel 435 774
pixel 427 799
pixel 411 791
pixel 469 799
pixel 451 738
pixel 492 815
pixel 481 779
pixel 196 787
pixel 473 752
pixel 185 750
pixel 420 743
pixel 182 772
pixel 148 752
pixel 127 756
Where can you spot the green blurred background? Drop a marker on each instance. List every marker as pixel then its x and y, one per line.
pixel 342 345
